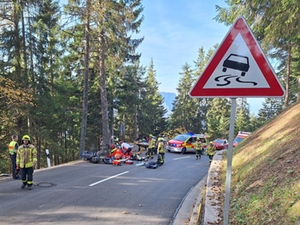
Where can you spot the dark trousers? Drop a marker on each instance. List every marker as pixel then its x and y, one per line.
pixel 128 151
pixel 27 175
pixel 161 158
pixel 14 165
pixel 198 153
pixel 150 152
pixel 210 158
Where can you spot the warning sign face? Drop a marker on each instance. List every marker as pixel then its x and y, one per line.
pixel 238 69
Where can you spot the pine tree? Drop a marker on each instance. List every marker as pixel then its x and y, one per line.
pixel 242 115
pixel 203 103
pixel 153 110
pixel 185 108
pixel 114 20
pixel 218 118
pixel 271 107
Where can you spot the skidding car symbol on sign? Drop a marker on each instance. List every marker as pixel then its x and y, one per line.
pixel 238 68
pixel 236 62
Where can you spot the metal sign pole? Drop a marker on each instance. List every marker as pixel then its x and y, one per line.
pixel 229 161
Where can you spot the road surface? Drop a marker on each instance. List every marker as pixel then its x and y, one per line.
pixel 84 193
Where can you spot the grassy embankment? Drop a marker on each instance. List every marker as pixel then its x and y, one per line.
pixel 265 185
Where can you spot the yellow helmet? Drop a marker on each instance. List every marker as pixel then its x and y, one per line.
pixel 26 137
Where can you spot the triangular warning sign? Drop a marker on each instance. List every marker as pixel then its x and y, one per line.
pixel 239 68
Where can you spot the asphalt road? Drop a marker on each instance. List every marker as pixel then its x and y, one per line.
pixel 86 193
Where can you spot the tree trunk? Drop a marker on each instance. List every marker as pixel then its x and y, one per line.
pixel 17 44
pixel 136 128
pixel 288 72
pixel 86 79
pixel 24 41
pixel 103 95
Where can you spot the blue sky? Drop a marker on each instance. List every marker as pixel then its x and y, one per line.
pixel 174 30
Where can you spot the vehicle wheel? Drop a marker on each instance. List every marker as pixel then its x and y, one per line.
pixel 224 69
pixel 169 151
pixel 183 151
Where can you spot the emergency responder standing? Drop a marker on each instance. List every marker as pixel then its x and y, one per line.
pixel 12 149
pixel 161 149
pixel 26 161
pixel 198 148
pixel 211 150
pixel 151 147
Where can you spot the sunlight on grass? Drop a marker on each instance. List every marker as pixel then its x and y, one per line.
pixel 294 203
pixel 265 173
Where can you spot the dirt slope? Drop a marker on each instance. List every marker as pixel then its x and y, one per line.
pixel 265 187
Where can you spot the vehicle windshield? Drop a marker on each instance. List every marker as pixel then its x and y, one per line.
pixel 181 137
pixel 238 139
pixel 219 141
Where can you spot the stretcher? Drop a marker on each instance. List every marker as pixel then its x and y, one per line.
pixel 142 146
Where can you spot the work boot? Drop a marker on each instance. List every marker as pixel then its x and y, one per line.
pixel 29 187
pixel 196 157
pixel 23 185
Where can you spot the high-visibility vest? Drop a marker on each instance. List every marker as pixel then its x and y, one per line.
pixel 161 147
pixel 211 150
pixel 12 147
pixel 152 143
pixel 113 150
pixel 26 156
pixel 198 145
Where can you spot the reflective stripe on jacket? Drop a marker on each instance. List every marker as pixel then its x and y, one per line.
pixel 12 148
pixel 26 156
pixel 161 147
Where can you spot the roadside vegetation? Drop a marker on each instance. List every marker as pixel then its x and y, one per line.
pixel 265 187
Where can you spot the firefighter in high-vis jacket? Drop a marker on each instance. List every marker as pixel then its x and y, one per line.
pixel 210 151
pixel 12 150
pixel 161 149
pixel 26 161
pixel 151 147
pixel 198 148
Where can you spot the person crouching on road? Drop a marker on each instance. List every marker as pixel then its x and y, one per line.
pixel 161 149
pixel 198 148
pixel 126 148
pixel 210 151
pixel 26 161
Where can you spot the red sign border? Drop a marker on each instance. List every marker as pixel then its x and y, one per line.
pixel 239 27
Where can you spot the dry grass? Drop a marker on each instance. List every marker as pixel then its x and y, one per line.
pixel 265 186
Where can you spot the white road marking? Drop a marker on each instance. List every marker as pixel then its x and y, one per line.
pixel 100 181
pixel 182 158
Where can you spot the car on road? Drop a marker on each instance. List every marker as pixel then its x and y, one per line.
pixel 220 144
pixel 183 143
pixel 240 137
